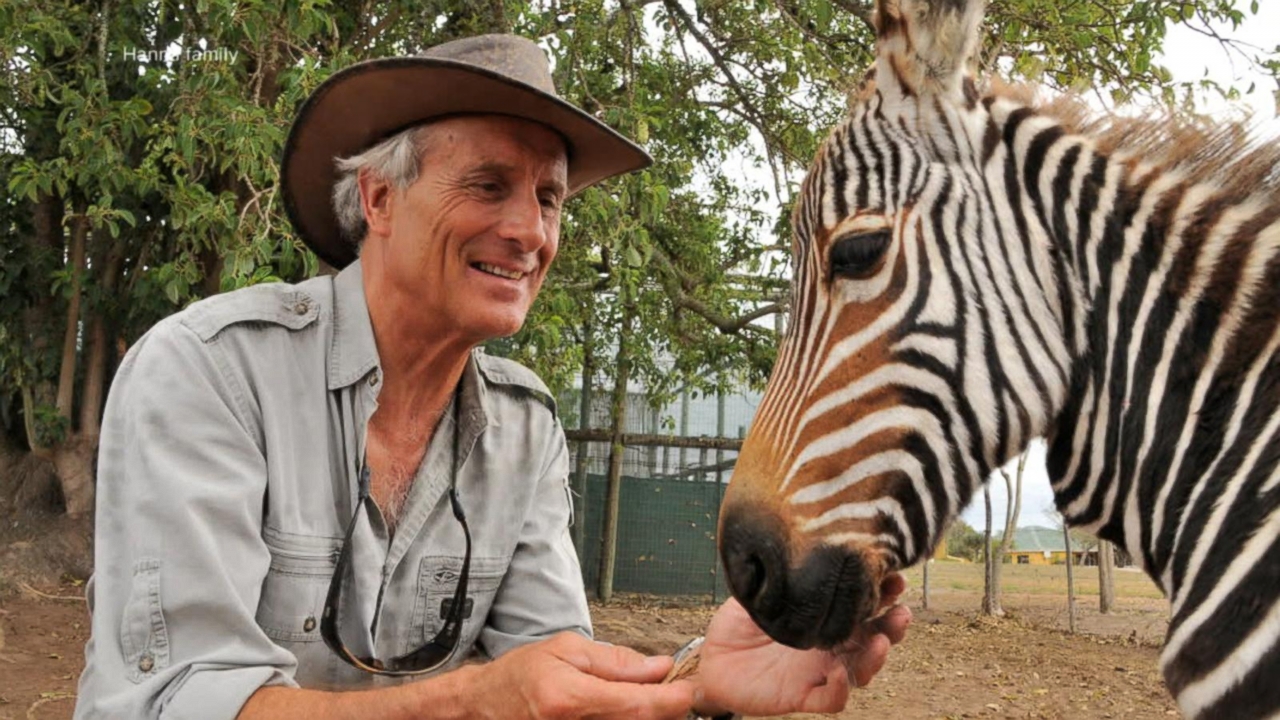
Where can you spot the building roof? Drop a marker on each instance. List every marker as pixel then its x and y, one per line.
pixel 1038 539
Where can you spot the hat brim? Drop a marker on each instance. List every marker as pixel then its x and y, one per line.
pixel 365 103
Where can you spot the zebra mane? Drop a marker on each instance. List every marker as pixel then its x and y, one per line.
pixel 1231 155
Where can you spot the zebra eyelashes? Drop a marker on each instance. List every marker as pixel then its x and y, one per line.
pixel 856 255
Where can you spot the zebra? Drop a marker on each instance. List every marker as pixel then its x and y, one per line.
pixel 974 269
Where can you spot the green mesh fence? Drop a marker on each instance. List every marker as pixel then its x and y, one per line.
pixel 670 496
pixel 666 537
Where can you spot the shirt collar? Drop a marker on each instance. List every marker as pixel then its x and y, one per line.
pixel 354 353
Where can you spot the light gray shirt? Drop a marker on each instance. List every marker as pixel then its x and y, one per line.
pixel 228 469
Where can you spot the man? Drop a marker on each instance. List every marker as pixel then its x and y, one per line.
pixel 326 487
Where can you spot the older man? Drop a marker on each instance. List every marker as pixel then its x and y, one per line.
pixel 322 487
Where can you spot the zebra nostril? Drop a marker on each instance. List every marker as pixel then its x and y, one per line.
pixel 753 583
pixel 754 557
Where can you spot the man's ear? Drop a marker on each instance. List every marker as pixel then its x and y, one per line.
pixel 376 196
pixel 923 47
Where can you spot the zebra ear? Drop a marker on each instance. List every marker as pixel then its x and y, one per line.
pixel 924 46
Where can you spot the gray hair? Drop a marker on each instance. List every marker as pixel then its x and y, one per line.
pixel 395 160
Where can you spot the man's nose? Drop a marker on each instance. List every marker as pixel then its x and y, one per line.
pixel 523 221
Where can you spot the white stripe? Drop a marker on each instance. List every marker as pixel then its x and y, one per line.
pixel 1221 509
pixel 865 511
pixel 1257 545
pixel 1205 264
pixel 893 418
pixel 876 465
pixel 1253 272
pixel 1119 281
pixel 860 538
pixel 1202 693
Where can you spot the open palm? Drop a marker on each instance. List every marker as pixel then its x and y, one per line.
pixel 742 669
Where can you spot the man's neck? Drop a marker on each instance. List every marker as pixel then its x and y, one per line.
pixel 422 361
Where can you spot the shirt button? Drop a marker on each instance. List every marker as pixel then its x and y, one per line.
pixel 373 379
pixel 309 624
pixel 146 663
pixel 301 308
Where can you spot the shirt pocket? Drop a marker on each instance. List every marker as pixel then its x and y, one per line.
pixel 438 579
pixel 297 582
pixel 144 637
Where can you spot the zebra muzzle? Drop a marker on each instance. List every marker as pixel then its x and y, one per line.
pixel 803 598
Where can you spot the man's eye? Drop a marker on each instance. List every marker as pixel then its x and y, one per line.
pixel 856 255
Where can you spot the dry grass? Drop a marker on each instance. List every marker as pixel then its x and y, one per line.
pixel 1033 580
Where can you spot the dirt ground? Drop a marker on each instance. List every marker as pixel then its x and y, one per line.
pixel 954 664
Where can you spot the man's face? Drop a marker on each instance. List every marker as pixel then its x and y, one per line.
pixel 472 239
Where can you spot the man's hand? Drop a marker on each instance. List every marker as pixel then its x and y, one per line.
pixel 743 670
pixel 571 677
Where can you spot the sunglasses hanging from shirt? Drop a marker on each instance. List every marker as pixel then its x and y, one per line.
pixel 435 653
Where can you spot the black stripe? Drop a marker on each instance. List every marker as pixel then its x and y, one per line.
pixel 1125 426
pixel 876 169
pixel 1225 630
pixel 1256 697
pixel 860 197
pixel 1187 364
pixel 840 177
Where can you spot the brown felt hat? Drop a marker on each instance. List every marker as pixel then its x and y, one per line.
pixel 367 102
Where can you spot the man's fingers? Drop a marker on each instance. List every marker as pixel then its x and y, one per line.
pixel 892 624
pixel 613 662
pixel 891 588
pixel 624 701
pixel 830 697
pixel 865 663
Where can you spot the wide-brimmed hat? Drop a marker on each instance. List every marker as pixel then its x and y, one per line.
pixel 369 101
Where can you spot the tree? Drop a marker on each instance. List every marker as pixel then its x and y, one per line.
pixel 1106 577
pixel 963 541
pixel 1071 580
pixel 990 592
pixel 1012 509
pixel 140 140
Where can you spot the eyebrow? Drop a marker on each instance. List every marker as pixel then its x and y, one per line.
pixel 496 167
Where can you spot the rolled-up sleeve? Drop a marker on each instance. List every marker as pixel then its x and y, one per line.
pixel 179 554
pixel 542 592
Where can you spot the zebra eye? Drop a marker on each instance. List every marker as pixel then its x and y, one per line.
pixel 855 255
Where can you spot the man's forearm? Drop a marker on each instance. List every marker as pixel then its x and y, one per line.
pixel 437 698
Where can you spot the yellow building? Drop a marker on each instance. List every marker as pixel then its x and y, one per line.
pixel 1044 546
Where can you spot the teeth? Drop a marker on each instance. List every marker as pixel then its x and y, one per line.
pixel 500 272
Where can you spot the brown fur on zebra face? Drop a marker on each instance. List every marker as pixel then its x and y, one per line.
pixel 973 272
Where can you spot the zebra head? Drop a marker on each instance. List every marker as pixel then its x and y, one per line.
pixel 889 402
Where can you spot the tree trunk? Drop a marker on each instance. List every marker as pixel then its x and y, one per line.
pixel 73 462
pixel 1106 577
pixel 73 455
pixel 924 602
pixel 1071 580
pixel 990 603
pixel 71 332
pixel 1012 509
pixel 584 448
pixel 715 556
pixel 93 391
pixel 609 550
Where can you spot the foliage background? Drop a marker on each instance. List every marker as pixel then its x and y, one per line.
pixel 139 142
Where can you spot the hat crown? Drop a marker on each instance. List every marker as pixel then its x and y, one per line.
pixel 516 57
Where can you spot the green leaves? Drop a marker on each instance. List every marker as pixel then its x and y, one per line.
pixel 173 153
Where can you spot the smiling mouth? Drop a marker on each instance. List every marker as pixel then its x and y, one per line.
pixel 500 272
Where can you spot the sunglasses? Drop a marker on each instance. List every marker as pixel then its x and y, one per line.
pixel 439 649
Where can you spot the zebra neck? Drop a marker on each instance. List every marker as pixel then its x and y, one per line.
pixel 1180 318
